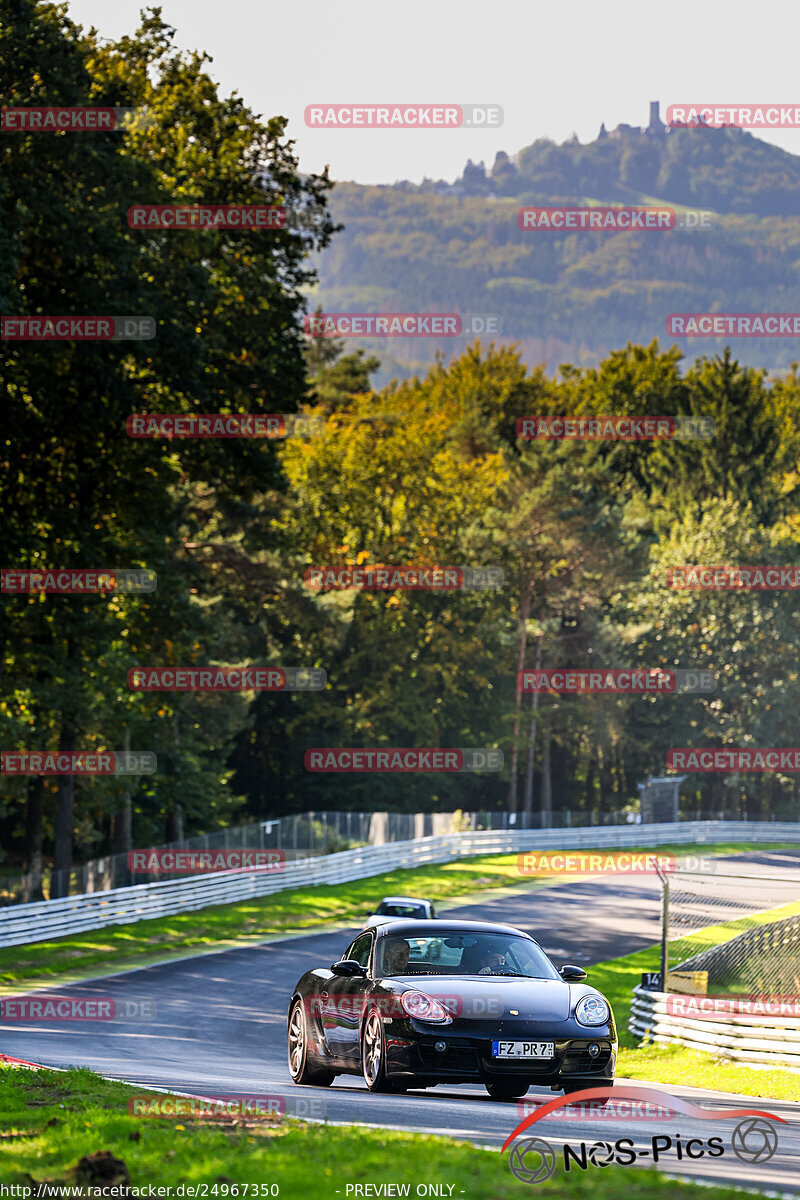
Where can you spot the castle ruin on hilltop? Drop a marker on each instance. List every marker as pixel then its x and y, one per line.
pixel 655 129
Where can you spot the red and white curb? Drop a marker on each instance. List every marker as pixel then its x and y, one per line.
pixel 21 1062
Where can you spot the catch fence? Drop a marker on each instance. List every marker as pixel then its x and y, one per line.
pixel 733 933
pixel 24 923
pixel 305 835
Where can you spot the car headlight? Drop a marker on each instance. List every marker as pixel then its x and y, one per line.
pixel 425 1008
pixel 592 1010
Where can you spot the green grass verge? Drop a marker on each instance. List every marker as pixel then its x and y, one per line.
pixel 121 946
pixel 678 1066
pixel 52 1120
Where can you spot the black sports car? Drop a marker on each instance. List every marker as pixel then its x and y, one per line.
pixel 409 1005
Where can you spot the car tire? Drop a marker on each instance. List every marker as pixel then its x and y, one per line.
pixel 574 1086
pixel 373 1055
pixel 299 1068
pixel 506 1090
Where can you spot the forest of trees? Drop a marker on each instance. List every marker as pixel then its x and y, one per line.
pixel 421 471
pixel 728 170
pixel 574 296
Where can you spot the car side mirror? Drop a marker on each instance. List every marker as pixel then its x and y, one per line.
pixel 572 974
pixel 348 967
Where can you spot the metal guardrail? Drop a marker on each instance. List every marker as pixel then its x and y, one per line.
pixel 743 1038
pixel 22 924
pixel 301 835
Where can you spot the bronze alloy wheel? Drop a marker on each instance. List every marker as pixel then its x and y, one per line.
pixel 373 1057
pixel 299 1069
pixel 372 1052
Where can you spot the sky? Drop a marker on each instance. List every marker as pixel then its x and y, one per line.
pixel 554 68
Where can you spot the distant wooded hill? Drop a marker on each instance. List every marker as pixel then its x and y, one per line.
pixel 573 296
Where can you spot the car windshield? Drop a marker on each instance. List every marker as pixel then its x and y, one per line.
pixel 401 910
pixel 454 953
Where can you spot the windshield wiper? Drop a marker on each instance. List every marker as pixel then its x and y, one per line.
pixel 400 974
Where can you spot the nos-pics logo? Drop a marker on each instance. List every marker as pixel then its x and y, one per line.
pixel 533 1159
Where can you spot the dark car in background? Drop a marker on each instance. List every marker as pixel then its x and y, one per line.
pixel 452 1002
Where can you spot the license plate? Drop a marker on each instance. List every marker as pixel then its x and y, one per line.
pixel 523 1049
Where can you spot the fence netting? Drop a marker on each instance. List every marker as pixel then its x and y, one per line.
pixel 304 835
pixel 734 933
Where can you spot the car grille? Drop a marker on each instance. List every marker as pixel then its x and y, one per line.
pixel 456 1058
pixel 578 1059
pixel 465 1057
pixel 520 1066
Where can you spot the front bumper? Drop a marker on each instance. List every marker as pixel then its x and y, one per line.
pixel 467 1058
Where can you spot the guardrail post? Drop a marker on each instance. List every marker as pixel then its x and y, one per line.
pixel 662 875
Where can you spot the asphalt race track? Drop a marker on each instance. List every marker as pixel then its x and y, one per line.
pixel 220 1029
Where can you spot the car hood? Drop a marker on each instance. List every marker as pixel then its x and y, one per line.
pixel 493 996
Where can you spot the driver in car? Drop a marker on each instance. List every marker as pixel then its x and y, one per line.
pixel 396 956
pixel 491 961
